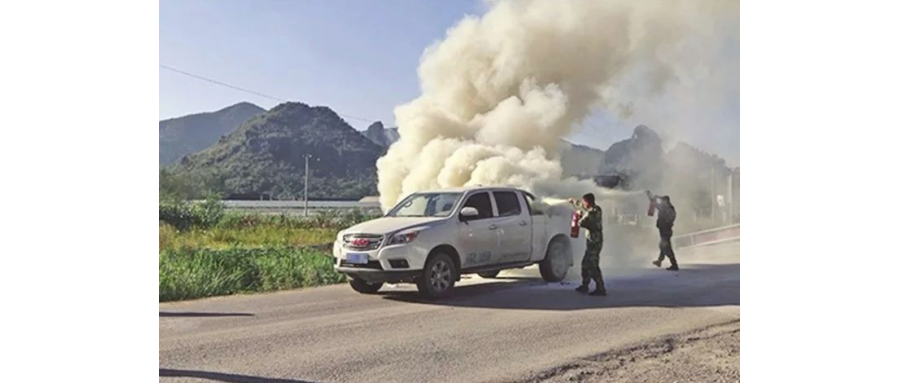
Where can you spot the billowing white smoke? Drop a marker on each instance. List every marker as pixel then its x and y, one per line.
pixel 501 90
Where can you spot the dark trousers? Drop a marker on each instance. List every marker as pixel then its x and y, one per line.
pixel 665 246
pixel 590 265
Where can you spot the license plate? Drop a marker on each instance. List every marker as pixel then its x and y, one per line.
pixel 358 259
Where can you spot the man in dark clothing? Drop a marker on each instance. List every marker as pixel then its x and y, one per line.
pixel 665 220
pixel 592 220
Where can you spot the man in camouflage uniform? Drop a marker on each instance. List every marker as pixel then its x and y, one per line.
pixel 592 220
pixel 665 220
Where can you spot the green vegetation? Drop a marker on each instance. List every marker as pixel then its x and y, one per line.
pixel 205 251
pixel 262 235
pixel 184 216
pixel 179 186
pixel 196 273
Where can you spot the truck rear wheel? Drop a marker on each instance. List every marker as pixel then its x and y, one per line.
pixel 438 277
pixel 556 262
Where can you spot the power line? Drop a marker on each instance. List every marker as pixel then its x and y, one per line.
pixel 220 83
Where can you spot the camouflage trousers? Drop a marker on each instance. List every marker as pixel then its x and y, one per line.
pixel 590 265
pixel 665 246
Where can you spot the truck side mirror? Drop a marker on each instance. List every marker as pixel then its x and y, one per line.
pixel 468 213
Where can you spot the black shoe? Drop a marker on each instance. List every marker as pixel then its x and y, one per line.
pixel 657 263
pixel 599 292
pixel 672 268
pixel 582 289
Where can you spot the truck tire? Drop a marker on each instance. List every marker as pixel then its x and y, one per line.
pixel 489 274
pixel 364 287
pixel 556 262
pixel 438 277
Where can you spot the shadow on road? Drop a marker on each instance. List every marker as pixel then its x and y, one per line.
pixel 696 286
pixel 163 314
pixel 222 377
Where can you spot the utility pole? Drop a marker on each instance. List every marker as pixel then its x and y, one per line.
pixel 731 197
pixel 712 192
pixel 306 187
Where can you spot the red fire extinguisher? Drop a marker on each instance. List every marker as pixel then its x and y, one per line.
pixel 650 209
pixel 576 217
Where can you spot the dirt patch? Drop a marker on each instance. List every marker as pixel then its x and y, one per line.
pixel 712 354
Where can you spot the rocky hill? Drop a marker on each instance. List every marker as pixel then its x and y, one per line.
pixel 266 157
pixel 381 136
pixel 638 160
pixel 181 136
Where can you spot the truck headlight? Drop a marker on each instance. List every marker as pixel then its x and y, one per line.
pixel 403 237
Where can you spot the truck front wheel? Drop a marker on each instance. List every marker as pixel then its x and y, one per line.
pixel 364 287
pixel 438 276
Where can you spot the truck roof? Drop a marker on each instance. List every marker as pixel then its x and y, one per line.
pixel 463 189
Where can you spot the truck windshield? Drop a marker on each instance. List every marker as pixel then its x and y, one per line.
pixel 426 205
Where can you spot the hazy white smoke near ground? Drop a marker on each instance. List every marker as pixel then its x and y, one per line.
pixel 501 90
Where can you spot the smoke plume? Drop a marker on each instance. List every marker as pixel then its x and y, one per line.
pixel 500 90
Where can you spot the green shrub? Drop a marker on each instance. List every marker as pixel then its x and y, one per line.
pixel 328 219
pixel 177 215
pixel 184 216
pixel 209 212
pixel 167 236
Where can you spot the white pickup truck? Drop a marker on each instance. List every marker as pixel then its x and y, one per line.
pixel 432 237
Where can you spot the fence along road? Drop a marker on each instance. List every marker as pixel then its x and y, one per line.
pixel 709 237
pixel 297 207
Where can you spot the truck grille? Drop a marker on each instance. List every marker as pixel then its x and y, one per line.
pixel 362 241
pixel 373 264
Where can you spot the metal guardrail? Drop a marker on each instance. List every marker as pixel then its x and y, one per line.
pixel 708 237
pixel 287 205
pixel 299 207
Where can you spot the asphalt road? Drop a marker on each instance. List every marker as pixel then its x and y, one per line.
pixel 506 329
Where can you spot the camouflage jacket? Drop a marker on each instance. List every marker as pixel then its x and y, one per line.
pixel 666 217
pixel 592 220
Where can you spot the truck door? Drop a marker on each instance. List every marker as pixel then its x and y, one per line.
pixel 477 237
pixel 513 226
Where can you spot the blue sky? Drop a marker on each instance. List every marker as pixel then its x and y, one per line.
pixel 357 57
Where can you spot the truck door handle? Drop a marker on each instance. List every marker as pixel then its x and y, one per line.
pixel 522 223
pixel 492 227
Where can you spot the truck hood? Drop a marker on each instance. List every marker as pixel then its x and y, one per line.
pixel 387 225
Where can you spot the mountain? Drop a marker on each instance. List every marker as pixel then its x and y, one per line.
pixel 577 160
pixel 638 160
pixel 690 176
pixel 381 136
pixel 266 157
pixel 686 158
pixel 693 175
pixel 181 136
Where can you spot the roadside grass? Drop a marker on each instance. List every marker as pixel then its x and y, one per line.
pixel 263 235
pixel 206 252
pixel 187 273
